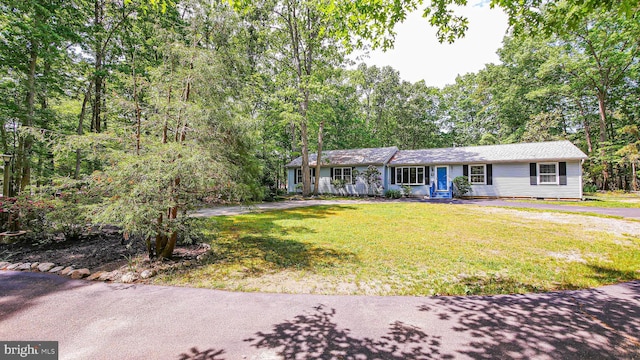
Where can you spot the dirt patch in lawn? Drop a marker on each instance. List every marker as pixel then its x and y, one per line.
pixel 102 250
pixel 614 226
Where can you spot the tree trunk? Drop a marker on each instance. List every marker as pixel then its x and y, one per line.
pixel 603 138
pixel 316 186
pixel 44 91
pixel 586 125
pixel 97 102
pixel 169 243
pixel 170 246
pixel 173 238
pixel 44 106
pixel 602 111
pixel 176 133
pixel 3 136
pixel 39 170
pixel 161 237
pixel 98 67
pixel 187 96
pixel 24 170
pixel 80 131
pixel 149 247
pixel 136 103
pixel 620 178
pixel 165 126
pixel 634 179
pixel 306 181
pixel 294 140
pixel 294 33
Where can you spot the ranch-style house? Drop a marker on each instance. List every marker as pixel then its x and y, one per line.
pixel 549 170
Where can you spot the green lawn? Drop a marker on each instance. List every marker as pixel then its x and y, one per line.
pixel 406 249
pixel 605 200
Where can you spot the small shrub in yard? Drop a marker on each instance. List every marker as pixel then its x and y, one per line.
pixel 71 209
pixel 49 212
pixel 191 233
pixel 406 190
pixel 7 214
pixel 25 213
pixel 67 219
pixel 393 194
pixel 461 186
pixel 32 215
pixel 373 178
pixel 590 188
pixel 340 185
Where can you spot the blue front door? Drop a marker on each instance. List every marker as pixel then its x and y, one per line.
pixel 441 175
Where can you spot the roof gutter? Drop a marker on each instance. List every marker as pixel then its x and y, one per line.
pixel 483 162
pixel 336 165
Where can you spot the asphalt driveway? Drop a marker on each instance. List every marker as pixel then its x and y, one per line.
pixel 632 213
pixel 281 205
pixel 118 321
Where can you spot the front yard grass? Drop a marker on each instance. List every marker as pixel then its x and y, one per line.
pixel 406 249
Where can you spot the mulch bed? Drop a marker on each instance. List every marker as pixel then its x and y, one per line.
pixel 102 251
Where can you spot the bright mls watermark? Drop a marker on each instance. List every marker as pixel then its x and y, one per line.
pixel 31 350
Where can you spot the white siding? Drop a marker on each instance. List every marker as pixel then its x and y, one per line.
pixel 359 188
pixel 512 180
pixel 291 187
pixel 455 171
pixel 509 180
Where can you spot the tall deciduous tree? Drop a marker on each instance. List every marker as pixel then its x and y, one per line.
pixel 600 54
pixel 35 36
pixel 303 44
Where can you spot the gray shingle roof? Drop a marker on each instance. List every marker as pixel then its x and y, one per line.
pixel 542 151
pixel 353 157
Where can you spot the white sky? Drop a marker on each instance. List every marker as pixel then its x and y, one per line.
pixel 418 55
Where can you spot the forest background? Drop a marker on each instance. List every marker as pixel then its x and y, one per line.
pixel 132 112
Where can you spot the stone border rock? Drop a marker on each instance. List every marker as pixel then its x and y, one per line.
pixel 86 274
pixel 46 267
pixel 70 271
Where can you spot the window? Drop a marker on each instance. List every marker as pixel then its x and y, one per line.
pixel 312 172
pixel 477 174
pixel 548 173
pixel 410 175
pixel 343 173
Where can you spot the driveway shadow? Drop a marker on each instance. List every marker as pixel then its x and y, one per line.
pixel 315 335
pixel 20 290
pixel 563 325
pixel 195 354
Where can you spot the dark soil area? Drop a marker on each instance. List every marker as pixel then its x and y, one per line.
pixel 99 251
